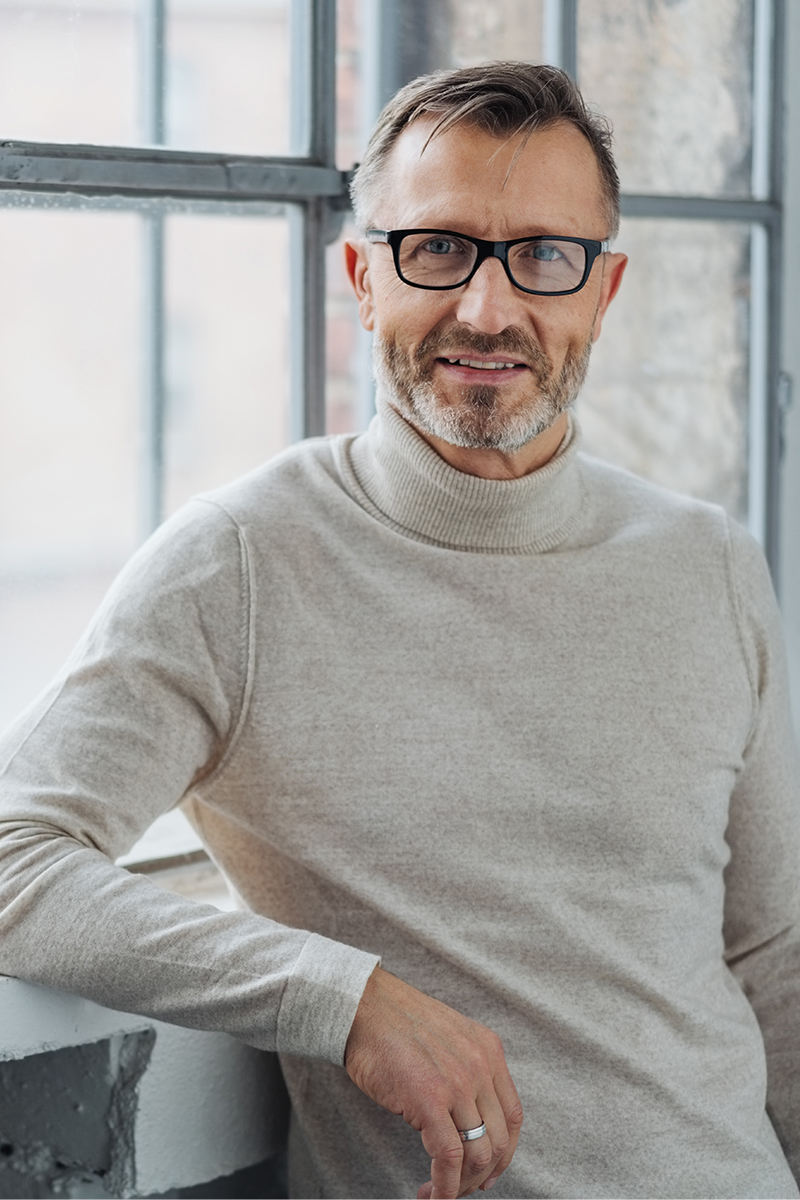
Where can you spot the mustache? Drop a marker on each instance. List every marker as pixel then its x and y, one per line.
pixel 443 343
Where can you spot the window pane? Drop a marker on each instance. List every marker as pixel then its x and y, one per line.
pixel 666 395
pixel 69 374
pixel 349 388
pixel 675 78
pixel 227 71
pixel 483 30
pixel 351 114
pixel 68 70
pixel 419 36
pixel 226 348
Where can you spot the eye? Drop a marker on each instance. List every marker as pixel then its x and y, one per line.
pixel 545 252
pixel 442 245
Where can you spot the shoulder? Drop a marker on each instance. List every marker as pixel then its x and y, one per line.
pixel 626 505
pixel 211 534
pixel 294 477
pixel 680 543
pixel 673 530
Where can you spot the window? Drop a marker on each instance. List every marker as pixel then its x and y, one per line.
pixel 173 187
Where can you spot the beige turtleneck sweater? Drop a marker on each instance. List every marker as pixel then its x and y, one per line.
pixel 528 741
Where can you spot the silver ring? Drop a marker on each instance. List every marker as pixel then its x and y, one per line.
pixel 471 1135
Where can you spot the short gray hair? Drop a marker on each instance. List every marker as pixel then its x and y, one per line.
pixel 503 99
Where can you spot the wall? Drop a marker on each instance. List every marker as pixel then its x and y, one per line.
pixel 95 1103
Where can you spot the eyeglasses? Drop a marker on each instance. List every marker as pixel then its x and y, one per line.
pixel 438 259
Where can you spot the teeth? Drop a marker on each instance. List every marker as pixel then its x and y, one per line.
pixel 482 366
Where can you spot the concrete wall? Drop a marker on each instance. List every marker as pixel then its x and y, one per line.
pixel 95 1103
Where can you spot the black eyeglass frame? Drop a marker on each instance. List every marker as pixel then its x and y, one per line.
pixel 486 250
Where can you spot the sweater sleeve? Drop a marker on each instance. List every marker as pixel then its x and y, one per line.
pixel 762 911
pixel 149 703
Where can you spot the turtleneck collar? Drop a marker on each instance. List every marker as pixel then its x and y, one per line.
pixel 403 482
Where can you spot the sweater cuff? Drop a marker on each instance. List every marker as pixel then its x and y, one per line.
pixel 321 997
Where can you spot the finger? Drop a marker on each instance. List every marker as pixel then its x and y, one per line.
pixel 483 1153
pixel 512 1112
pixel 441 1141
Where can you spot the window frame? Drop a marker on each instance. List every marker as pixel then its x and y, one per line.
pixel 155 180
pixel 763 211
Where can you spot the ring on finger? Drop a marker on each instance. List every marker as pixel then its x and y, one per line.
pixel 471 1135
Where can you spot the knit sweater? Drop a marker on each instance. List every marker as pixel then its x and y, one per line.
pixel 527 741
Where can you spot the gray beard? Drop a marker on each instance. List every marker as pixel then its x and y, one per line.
pixel 480 420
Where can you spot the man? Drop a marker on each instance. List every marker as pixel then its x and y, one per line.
pixel 450 694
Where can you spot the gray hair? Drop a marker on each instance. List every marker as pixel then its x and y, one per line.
pixel 502 98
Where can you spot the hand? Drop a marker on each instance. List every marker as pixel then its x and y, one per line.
pixel 440 1072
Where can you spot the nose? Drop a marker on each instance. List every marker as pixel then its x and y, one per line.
pixel 490 302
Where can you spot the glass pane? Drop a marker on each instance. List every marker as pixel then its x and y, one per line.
pixel 675 78
pixel 419 36
pixel 68 70
pixel 666 395
pixel 228 75
pixel 69 404
pixel 227 293
pixel 351 113
pixel 482 30
pixel 349 387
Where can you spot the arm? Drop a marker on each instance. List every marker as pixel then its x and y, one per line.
pixel 762 911
pixel 151 701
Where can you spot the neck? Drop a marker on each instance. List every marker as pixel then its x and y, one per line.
pixel 494 464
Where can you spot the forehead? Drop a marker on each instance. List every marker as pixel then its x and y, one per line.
pixel 470 181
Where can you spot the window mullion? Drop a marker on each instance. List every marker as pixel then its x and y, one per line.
pixel 314 86
pixel 560 35
pixel 153 331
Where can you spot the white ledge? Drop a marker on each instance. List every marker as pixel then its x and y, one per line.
pixel 207 1103
pixel 36 1019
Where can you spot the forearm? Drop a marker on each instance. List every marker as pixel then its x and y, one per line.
pixel 70 919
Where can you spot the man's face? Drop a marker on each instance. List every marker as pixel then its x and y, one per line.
pixel 461 182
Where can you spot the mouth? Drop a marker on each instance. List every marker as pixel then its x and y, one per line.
pixel 470 370
pixel 483 364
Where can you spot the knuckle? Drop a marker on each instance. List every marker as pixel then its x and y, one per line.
pixel 451 1156
pixel 480 1162
pixel 494 1043
pixel 500 1146
pixel 515 1117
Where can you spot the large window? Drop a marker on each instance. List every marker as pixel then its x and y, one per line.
pixel 173 188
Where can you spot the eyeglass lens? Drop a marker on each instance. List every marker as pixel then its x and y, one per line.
pixel 441 260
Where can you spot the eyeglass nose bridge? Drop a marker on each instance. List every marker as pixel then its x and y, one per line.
pixel 491 250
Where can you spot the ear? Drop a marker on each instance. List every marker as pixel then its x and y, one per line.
pixel 356 262
pixel 613 270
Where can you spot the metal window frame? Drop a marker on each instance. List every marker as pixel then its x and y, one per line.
pixel 764 213
pixel 154 180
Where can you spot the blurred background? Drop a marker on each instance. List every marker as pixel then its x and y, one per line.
pixel 688 385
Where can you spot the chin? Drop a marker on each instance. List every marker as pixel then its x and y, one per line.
pixel 481 418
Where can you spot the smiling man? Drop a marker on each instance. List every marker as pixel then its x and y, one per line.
pixel 481 307
pixel 451 696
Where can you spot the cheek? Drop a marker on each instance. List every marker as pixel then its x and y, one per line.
pixel 566 328
pixel 408 314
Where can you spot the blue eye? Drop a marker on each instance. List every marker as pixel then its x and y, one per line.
pixel 545 252
pixel 439 246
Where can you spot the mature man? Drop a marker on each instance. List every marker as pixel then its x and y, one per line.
pixel 450 694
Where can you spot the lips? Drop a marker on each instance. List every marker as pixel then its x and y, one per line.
pixel 480 364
